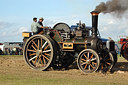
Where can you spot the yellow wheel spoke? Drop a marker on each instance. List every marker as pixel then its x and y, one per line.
pixel 46 47
pixel 35 60
pixel 83 60
pixel 85 56
pixel 47 54
pixel 91 56
pixel 41 60
pixel 102 67
pixel 34 43
pixel 38 44
pixel 32 54
pixel 41 41
pixel 34 47
pixel 108 63
pixel 85 66
pixel 44 61
pixel 91 65
pixel 31 50
pixel 45 57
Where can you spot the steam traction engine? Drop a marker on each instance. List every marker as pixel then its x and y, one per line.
pixel 124 47
pixel 62 45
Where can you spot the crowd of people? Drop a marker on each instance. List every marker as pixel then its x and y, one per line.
pixel 1 52
pixel 11 51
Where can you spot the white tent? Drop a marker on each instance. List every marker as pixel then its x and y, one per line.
pixel 2 47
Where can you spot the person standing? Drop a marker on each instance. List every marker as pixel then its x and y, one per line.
pixel 0 51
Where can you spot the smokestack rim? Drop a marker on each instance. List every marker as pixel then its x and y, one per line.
pixel 95 13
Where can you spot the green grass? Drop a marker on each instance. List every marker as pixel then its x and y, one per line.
pixel 14 71
pixel 11 55
pixel 54 79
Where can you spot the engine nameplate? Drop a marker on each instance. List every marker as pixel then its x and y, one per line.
pixel 67 45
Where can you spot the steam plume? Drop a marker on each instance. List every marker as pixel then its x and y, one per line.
pixel 117 7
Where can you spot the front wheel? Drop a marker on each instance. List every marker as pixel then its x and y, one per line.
pixel 88 61
pixel 106 61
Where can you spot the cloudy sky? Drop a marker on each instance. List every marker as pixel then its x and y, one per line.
pixel 16 17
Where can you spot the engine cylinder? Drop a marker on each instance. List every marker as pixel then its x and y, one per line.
pixel 94 43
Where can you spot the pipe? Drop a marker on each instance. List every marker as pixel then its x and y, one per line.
pixel 94 23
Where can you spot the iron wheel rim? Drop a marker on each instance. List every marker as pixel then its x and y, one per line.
pixel 39 52
pixel 106 61
pixel 88 61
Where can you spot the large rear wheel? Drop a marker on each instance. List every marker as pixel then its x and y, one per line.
pixel 40 52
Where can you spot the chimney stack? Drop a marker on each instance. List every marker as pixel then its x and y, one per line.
pixel 94 23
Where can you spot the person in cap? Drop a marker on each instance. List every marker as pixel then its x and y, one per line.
pixel 40 21
pixel 35 26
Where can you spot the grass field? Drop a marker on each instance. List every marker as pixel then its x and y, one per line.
pixel 14 71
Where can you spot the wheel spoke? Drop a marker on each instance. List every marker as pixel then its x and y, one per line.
pixel 45 57
pixel 88 55
pixel 32 54
pixel 84 63
pixel 93 59
pixel 41 60
pixel 38 44
pixel 94 63
pixel 46 51
pixel 83 60
pixel 34 47
pixel 102 67
pixel 41 41
pixel 38 63
pixel 91 65
pixel 85 66
pixel 108 59
pixel 91 56
pixel 33 58
pixel 108 63
pixel 47 54
pixel 31 50
pixel 44 61
pixel 85 56
pixel 46 47
pixel 34 43
pixel 44 44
